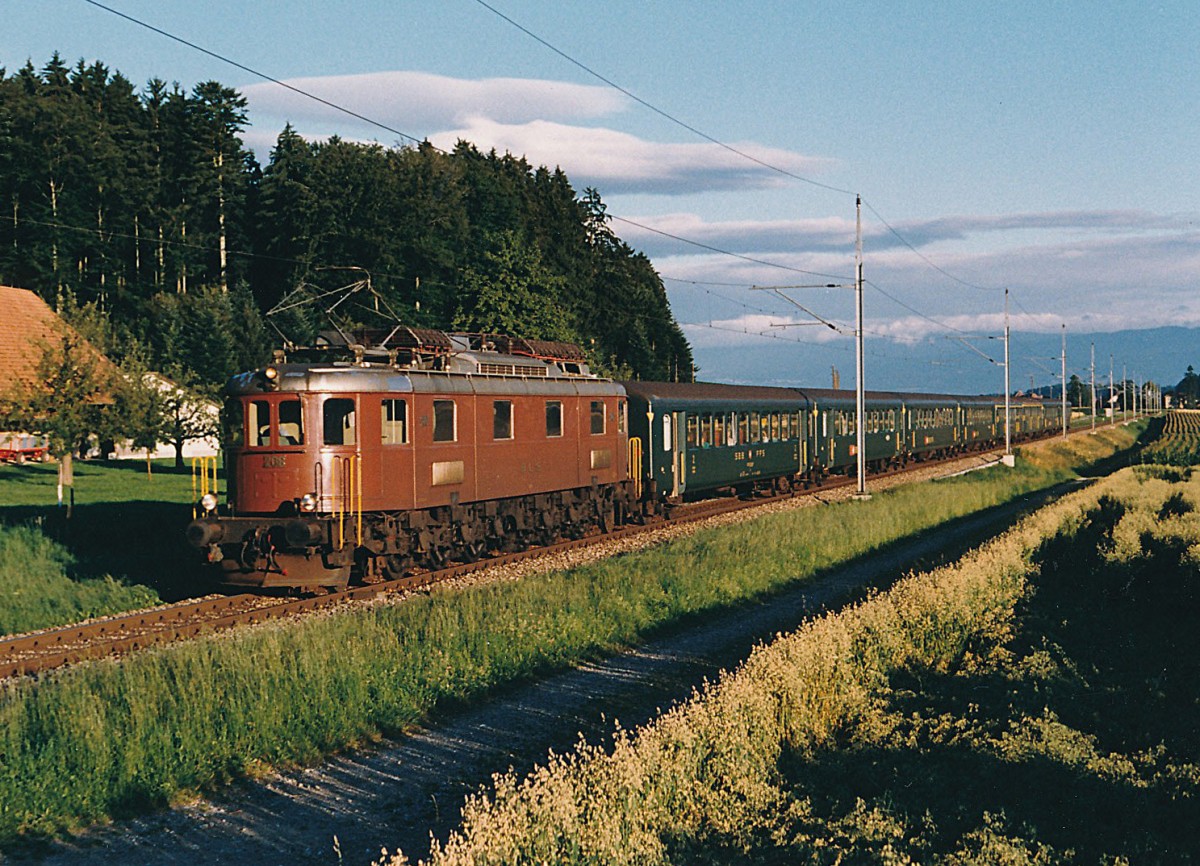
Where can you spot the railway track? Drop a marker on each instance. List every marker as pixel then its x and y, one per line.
pixel 34 653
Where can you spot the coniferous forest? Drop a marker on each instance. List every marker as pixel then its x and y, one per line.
pixel 145 206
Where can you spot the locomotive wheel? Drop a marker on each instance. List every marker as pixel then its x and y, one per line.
pixel 473 551
pixel 395 567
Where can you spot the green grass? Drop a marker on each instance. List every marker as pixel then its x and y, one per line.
pixel 107 739
pixel 38 588
pixel 96 483
pixel 125 527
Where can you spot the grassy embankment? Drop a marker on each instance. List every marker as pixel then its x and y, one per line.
pixel 111 738
pixel 1034 703
pixel 120 548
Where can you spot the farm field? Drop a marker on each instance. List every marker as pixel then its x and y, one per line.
pixel 1034 703
pixel 161 727
pixel 1179 442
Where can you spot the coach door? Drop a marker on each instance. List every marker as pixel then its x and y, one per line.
pixel 679 429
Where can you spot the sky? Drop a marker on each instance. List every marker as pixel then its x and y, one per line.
pixel 1045 148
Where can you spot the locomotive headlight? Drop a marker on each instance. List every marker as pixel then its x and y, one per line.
pixel 208 502
pixel 308 502
pixel 271 378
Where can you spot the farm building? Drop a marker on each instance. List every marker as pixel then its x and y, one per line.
pixel 30 323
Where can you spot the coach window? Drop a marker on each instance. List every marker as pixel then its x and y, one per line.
pixel 731 436
pixel 502 426
pixel 693 431
pixel 775 426
pixel 337 420
pixel 718 430
pixel 444 421
pixel 597 417
pixel 554 427
pixel 743 429
pixel 393 416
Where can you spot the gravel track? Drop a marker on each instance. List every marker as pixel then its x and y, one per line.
pixel 398 792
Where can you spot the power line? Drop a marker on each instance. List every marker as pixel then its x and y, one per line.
pixel 660 112
pixel 720 251
pixel 255 72
pixel 712 139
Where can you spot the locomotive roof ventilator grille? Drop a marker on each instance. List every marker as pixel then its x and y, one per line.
pixel 492 369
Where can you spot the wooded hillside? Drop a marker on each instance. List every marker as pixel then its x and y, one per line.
pixel 148 205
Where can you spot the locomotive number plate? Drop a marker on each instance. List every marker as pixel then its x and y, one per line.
pixel 274 461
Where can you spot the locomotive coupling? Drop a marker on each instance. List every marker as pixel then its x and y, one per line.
pixel 303 533
pixel 202 533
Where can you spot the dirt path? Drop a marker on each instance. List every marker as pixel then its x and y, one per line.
pixel 399 792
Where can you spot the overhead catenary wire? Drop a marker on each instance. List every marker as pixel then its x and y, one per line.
pixel 608 82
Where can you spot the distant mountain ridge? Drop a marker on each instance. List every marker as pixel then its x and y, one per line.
pixel 1161 355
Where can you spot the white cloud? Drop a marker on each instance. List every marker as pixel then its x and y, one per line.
pixel 534 118
pixel 420 103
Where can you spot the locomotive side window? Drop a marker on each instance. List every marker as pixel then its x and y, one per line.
pixel 393 416
pixel 234 421
pixel 259 423
pixel 338 421
pixel 621 412
pixel 443 421
pixel 502 426
pixel 291 426
pixel 554 427
pixel 597 416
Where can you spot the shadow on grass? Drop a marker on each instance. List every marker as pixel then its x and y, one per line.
pixel 135 542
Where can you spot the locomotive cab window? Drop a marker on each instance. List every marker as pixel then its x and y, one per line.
pixel 338 421
pixel 258 420
pixel 597 417
pixel 502 419
pixel 554 425
pixel 393 419
pixel 444 422
pixel 291 423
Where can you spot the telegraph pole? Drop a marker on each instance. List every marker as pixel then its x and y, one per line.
pixel 1111 393
pixel 860 394
pixel 1124 393
pixel 859 385
pixel 1093 387
pixel 1066 417
pixel 1008 455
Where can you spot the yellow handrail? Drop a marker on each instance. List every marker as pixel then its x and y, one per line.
pixel 635 465
pixel 347 497
pixel 203 482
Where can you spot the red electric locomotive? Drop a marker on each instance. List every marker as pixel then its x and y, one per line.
pixel 374 456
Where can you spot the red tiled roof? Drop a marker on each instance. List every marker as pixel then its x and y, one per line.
pixel 26 323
